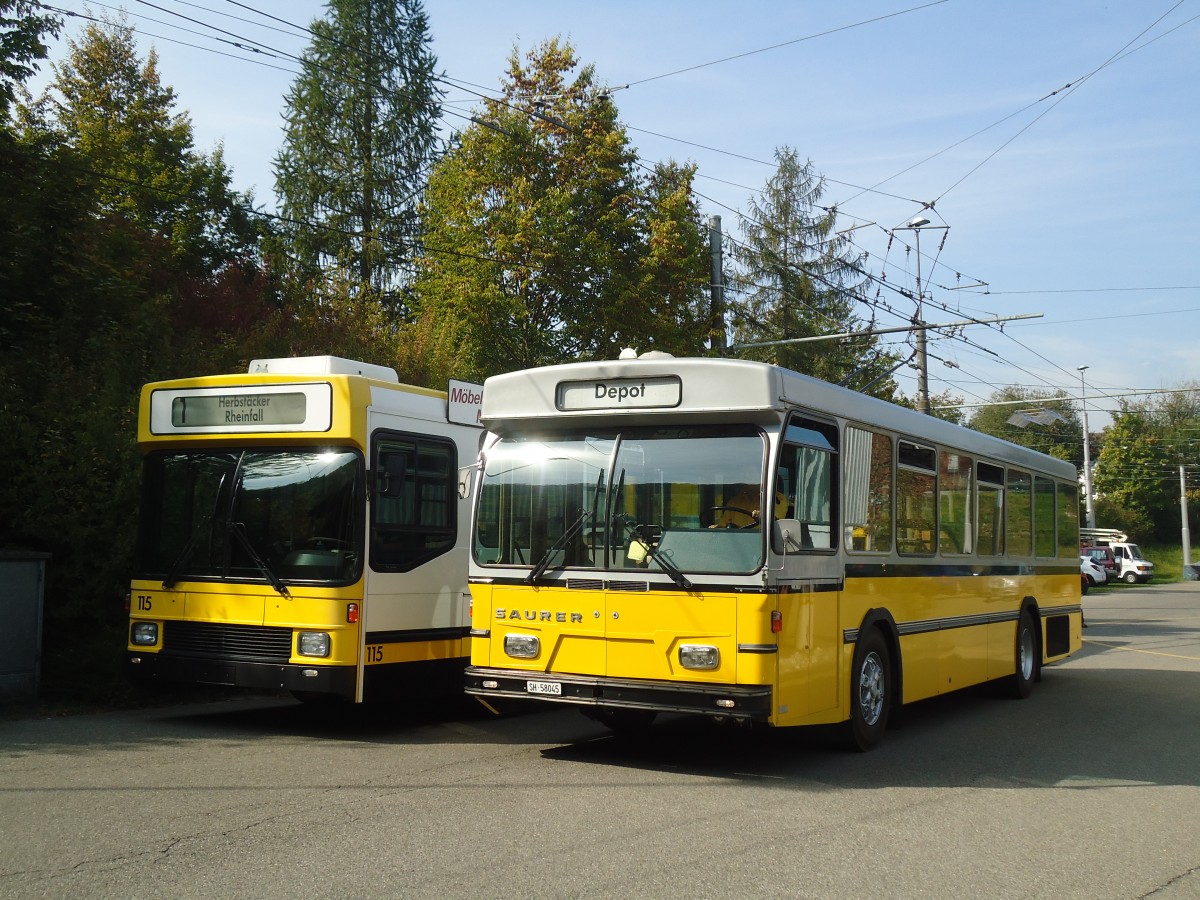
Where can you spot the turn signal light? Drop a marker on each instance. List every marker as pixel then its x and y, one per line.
pixel 352 613
pixel 776 621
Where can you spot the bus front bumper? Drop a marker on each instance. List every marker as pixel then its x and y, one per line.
pixel 163 667
pixel 733 701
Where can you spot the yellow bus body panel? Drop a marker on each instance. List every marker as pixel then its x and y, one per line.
pixel 234 604
pixel 646 630
pixel 623 633
pixel 808 659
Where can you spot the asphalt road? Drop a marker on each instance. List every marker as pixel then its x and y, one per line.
pixel 1087 789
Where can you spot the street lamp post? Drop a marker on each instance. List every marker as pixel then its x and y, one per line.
pixel 1087 454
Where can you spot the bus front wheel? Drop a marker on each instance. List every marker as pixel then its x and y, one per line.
pixel 1025 656
pixel 870 691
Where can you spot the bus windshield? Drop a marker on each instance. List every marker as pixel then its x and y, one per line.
pixel 670 500
pixel 280 516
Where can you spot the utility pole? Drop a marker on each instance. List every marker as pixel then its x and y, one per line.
pixel 919 321
pixel 915 225
pixel 1189 574
pixel 716 286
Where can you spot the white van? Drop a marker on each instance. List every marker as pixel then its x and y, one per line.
pixel 1132 566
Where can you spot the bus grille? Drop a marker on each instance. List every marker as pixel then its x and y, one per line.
pixel 252 642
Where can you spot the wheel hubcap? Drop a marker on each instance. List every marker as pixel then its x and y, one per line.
pixel 870 689
pixel 1025 654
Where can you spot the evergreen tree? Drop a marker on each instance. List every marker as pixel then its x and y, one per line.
pixel 547 242
pixel 360 134
pixel 795 281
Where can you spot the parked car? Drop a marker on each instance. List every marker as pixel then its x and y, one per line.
pixel 1092 572
pixel 1106 558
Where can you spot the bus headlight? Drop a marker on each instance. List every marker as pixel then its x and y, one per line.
pixel 699 656
pixel 522 646
pixel 144 634
pixel 313 643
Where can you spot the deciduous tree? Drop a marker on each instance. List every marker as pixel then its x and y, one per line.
pixel 1137 469
pixel 22 28
pixel 1041 420
pixel 545 238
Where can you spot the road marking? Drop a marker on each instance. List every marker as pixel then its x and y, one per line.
pixel 1136 650
pixel 1089 781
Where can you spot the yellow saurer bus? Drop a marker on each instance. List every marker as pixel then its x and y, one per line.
pixel 302 529
pixel 740 541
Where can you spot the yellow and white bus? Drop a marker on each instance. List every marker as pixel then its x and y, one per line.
pixel 302 529
pixel 740 541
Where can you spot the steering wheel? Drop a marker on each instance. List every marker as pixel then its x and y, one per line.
pixel 323 543
pixel 737 509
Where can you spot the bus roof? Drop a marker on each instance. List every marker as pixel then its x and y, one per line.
pixel 322 365
pixel 644 390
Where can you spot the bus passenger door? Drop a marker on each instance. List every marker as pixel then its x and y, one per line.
pixel 415 599
pixel 807 570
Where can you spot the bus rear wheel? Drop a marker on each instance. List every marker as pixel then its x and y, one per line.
pixel 870 691
pixel 1025 656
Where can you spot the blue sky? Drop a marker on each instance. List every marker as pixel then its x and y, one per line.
pixel 1078 205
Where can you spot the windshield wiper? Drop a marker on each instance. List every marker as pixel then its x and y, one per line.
pixel 206 521
pixel 563 539
pixel 665 564
pixel 177 566
pixel 240 530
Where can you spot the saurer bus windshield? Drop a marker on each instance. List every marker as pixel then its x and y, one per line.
pixel 638 498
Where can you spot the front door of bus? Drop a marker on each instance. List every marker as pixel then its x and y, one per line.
pixel 807 569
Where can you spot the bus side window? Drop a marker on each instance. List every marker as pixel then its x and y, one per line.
pixel 413 510
pixel 867 491
pixel 806 476
pixel 916 499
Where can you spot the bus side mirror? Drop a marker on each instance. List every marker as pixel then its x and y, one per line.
pixel 466 480
pixel 786 536
pixel 389 478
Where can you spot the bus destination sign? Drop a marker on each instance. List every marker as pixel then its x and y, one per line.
pixel 661 392
pixel 238 409
pixel 293 407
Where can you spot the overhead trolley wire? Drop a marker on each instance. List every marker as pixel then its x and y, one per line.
pixel 799 40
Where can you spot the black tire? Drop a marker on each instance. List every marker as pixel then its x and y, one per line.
pixel 1130 578
pixel 1025 657
pixel 870 691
